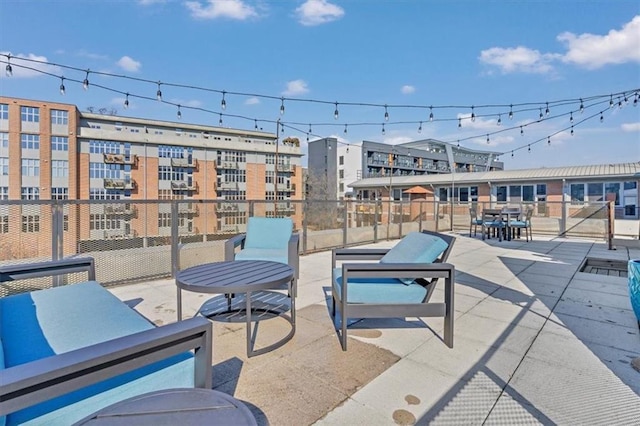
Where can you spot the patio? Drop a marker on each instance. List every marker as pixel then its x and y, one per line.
pixel 536 341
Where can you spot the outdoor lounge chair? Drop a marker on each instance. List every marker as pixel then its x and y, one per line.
pixel 267 239
pixel 400 284
pixel 69 351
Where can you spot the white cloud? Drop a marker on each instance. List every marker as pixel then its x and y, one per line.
pixel 395 140
pixel 518 59
pixel 295 87
pixel 493 140
pixel 631 127
pixel 212 9
pixel 490 124
pixel 317 12
pixel 594 51
pixel 193 103
pixel 407 89
pixel 252 101
pixel 129 64
pixel 19 72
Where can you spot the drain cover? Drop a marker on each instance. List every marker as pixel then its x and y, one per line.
pixel 615 268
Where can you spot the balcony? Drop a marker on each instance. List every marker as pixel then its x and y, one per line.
pixel 184 163
pixel 183 186
pixel 229 185
pixel 120 159
pixel 229 165
pixel 120 209
pixel 286 168
pixel 110 234
pixel 119 184
pixel 188 208
pixel 230 228
pixel 227 207
pixel 285 207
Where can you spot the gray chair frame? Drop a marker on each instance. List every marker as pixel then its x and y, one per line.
pixel 527 224
pixel 426 274
pixel 474 220
pixel 28 384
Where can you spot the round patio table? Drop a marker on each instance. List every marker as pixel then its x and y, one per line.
pixel 251 280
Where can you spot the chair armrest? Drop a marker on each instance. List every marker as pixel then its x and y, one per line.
pixel 294 253
pixel 22 271
pixel 357 254
pixel 397 270
pixel 231 244
pixel 37 381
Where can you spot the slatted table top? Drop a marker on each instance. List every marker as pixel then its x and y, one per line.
pixel 237 276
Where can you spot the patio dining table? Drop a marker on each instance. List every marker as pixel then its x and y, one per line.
pixel 504 215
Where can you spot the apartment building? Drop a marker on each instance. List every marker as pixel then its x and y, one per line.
pixel 334 166
pixel 53 151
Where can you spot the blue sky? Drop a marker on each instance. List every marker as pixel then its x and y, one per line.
pixel 363 54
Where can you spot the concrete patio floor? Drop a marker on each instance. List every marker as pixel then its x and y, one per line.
pixel 536 342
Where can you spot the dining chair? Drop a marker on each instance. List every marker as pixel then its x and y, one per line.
pixel 474 220
pixel 524 224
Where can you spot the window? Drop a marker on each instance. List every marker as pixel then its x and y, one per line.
pixel 577 193
pixel 4 166
pixel 270 159
pixel 59 143
pixel 30 114
pixel 4 111
pixel 443 194
pixel 341 174
pixel 595 192
pixel 269 176
pixel 168 173
pixel 341 160
pixel 104 147
pixel 464 195
pixel 515 193
pixel 613 188
pixel 30 167
pixel 30 193
pixel 104 194
pixel 164 220
pixel 59 168
pixel 59 117
pixel 59 193
pixel 105 171
pixel 4 140
pixel 474 193
pixel 527 193
pixel 28 141
pixel 118 126
pixel 165 151
pixel 541 190
pixel 103 221
pixel 501 194
pixel 30 223
pixel 4 224
pixel 4 192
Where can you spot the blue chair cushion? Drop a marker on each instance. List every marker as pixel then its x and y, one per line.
pixel 268 233
pixel 275 255
pixel 48 322
pixel 518 223
pixel 476 222
pixel 415 247
pixel 380 290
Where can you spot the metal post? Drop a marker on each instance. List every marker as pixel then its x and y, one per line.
pixel 345 225
pixel 275 182
pixel 174 240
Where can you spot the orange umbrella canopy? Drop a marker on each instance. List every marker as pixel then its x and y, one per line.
pixel 417 190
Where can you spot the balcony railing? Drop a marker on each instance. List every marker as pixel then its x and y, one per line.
pixel 231 165
pixel 184 163
pixel 287 168
pixel 184 186
pixel 120 159
pixel 119 184
pixel 229 185
pixel 188 208
pixel 120 209
pixel 227 207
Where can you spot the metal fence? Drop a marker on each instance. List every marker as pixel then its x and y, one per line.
pixel 148 239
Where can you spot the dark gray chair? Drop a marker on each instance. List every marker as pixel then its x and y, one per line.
pixel 400 284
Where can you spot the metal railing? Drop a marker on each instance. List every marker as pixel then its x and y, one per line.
pixel 140 239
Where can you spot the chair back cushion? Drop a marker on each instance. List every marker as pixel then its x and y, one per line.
pixel 415 247
pixel 268 232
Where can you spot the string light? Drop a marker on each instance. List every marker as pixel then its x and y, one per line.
pixel 571 130
pixel 511 154
pixel 223 102
pixel 488 139
pixel 431 113
pixel 473 114
pixel 179 113
pixel 310 131
pixel 571 117
pixel 255 124
pixel 383 131
pixel 546 111
pixel 281 127
pixel 581 106
pixel 619 102
pixel 540 116
pixel 529 148
pixel 126 101
pixel 459 122
pixel 85 82
pixel 8 69
pixel 601 117
pixel 220 120
pixel 336 114
pixel 521 131
pixel 548 140
pixel 420 127
pixel 282 106
pixel 159 93
pixel 635 99
pixel 499 119
pixel 458 143
pixel 511 112
pixel 386 114
pixel 345 129
pixel 62 88
pixel 611 102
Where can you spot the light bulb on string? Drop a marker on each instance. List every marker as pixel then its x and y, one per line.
pixel 63 90
pixel 473 115
pixel 635 99
pixel 383 130
pixel 85 82
pixel 540 116
pixel 336 113
pixel 521 131
pixel 611 102
pixel 420 127
pixel 581 106
pixel 126 101
pixel 488 141
pixel 546 111
pixel 571 117
pixel 310 131
pixel 159 93
pixel 431 113
pixel 571 130
pixel 499 120
pixel 511 154
pixel 8 69
pixel 281 127
pixel 255 126
pixel 386 114
pixel 601 117
pixel 529 148
pixel 458 143
pixel 307 137
pixel 619 102
pixel 220 120
pixel 223 102
pixel 459 122
pixel 510 112
pixel 626 100
pixel 179 113
pixel 282 106
pixel 345 129
pixel 548 140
